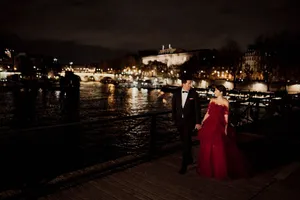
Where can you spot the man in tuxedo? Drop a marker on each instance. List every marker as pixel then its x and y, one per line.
pixel 186 113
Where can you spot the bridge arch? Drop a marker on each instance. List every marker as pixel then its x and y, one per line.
pixel 86 76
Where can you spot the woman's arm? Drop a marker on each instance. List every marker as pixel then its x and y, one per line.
pixel 226 113
pixel 206 114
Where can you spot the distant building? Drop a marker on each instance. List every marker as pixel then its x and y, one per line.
pixel 6 59
pixel 82 68
pixel 175 56
pixel 252 60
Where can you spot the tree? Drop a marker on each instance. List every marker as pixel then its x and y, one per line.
pixel 272 53
pixel 154 68
pixel 248 71
pixel 160 68
pixel 231 58
pixel 191 66
pixel 130 61
pixel 25 65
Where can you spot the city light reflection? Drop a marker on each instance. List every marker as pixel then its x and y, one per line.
pixel 260 87
pixel 228 85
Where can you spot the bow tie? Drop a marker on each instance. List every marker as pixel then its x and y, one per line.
pixel 185 91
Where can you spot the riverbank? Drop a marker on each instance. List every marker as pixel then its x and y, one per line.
pixel 75 147
pixel 272 160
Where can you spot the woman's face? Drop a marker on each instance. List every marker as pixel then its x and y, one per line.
pixel 217 93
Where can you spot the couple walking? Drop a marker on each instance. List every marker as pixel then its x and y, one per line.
pixel 218 155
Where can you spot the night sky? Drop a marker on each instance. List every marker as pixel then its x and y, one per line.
pixel 111 27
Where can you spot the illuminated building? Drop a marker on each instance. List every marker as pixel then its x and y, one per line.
pixel 6 60
pixel 252 60
pixel 175 57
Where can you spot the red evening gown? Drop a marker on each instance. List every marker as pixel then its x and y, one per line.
pixel 219 156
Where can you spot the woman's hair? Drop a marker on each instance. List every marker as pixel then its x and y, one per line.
pixel 222 89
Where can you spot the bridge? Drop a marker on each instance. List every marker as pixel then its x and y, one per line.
pixel 4 75
pixel 84 76
pixel 89 76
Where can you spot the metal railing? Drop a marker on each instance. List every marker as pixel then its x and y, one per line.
pixel 257 109
pixel 77 145
pixel 46 152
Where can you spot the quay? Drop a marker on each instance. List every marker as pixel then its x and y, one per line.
pixel 271 145
pixel 159 180
pixel 275 162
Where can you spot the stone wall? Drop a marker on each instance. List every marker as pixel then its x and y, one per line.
pixel 252 86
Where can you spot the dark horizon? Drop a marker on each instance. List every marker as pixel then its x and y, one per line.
pixel 67 51
pixel 108 29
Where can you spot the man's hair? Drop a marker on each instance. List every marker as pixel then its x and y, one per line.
pixel 183 81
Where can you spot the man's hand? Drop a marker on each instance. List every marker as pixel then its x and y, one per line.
pixel 198 126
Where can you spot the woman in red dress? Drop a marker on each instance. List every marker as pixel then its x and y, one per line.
pixel 218 155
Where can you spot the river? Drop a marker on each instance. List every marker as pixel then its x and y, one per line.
pixel 96 101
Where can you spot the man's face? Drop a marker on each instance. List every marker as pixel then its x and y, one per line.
pixel 187 86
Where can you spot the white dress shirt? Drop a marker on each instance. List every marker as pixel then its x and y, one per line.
pixel 183 97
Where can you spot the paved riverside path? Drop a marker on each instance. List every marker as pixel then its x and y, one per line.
pixel 276 173
pixel 159 180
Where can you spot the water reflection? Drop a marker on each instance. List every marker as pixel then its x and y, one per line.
pixel 96 100
pixel 133 101
pixel 55 94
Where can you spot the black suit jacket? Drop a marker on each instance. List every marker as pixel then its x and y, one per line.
pixel 191 111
